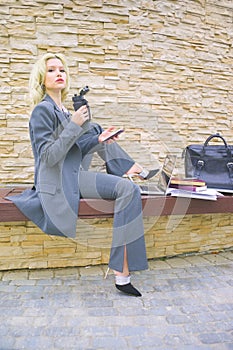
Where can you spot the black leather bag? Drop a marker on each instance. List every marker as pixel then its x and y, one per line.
pixel 211 163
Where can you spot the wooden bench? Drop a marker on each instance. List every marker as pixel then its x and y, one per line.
pixel 152 206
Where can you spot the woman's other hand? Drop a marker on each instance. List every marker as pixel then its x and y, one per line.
pixel 106 133
pixel 80 116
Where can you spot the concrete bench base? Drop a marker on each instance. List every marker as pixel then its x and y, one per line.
pixel 23 245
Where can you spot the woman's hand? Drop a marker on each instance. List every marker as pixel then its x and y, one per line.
pixel 106 133
pixel 80 116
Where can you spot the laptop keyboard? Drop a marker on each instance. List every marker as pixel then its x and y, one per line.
pixel 149 188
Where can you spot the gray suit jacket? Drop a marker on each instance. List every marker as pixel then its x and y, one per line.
pixel 60 148
pixel 53 203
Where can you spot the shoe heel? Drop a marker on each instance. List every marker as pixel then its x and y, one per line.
pixel 106 273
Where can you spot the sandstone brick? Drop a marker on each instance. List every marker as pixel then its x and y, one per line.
pixel 37 264
pixel 33 251
pixel 10 251
pixel 61 252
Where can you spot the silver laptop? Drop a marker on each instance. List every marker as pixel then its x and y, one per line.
pixel 160 188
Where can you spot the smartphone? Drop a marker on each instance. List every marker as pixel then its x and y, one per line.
pixel 114 133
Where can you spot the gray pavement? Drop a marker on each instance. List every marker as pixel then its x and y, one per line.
pixel 187 303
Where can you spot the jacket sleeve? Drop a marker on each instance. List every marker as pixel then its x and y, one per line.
pixel 88 141
pixel 51 146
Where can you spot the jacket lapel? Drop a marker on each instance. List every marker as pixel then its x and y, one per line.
pixel 60 115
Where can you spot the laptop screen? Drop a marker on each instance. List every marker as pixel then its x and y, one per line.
pixel 166 172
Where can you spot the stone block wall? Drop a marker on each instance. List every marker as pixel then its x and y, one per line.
pixel 161 69
pixel 23 245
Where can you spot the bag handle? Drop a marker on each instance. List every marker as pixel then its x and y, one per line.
pixel 217 135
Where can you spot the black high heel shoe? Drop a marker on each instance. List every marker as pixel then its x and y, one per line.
pixel 148 174
pixel 128 289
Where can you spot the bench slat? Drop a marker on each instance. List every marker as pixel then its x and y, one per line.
pixel 152 206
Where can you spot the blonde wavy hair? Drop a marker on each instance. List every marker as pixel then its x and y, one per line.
pixel 37 77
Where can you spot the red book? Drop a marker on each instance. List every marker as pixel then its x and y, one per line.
pixel 187 181
pixel 189 188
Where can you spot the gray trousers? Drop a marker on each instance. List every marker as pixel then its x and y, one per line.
pixel 128 230
pixel 128 224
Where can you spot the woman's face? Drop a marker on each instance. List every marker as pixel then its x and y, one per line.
pixel 55 76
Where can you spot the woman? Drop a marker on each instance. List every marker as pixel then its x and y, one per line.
pixel 62 145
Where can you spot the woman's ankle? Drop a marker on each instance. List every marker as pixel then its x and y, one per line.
pixel 135 169
pixel 123 274
pixel 122 280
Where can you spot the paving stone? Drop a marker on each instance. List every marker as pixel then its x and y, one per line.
pixel 216 258
pixel 215 338
pixel 178 262
pixel 109 342
pixel 227 254
pixel 185 305
pixel 14 275
pixel 72 272
pixel 197 260
pixel 91 271
pixel 159 265
pixel 41 274
pixel 8 343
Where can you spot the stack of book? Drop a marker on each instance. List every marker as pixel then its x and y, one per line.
pixel 188 184
pixel 191 188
